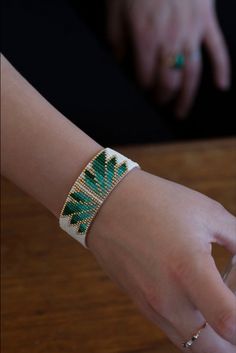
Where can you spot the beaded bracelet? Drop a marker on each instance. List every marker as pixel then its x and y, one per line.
pixel 90 190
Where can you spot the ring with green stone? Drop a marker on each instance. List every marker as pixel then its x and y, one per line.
pixel 178 62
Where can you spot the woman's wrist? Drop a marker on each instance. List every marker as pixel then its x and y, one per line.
pixel 48 152
pixel 91 189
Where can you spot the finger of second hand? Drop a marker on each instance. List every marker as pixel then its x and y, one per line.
pixel 190 83
pixel 167 80
pixel 145 48
pixel 217 49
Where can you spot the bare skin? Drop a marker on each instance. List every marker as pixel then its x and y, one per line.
pixel 156 247
pixel 160 28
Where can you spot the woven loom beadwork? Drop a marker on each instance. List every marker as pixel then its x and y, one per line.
pixel 91 189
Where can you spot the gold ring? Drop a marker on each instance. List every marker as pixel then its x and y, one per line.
pixel 190 342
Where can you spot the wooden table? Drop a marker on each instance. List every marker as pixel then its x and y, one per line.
pixel 56 299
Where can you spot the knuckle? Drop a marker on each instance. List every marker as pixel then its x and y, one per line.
pixel 184 272
pixel 153 298
pixel 218 207
pixel 226 324
pixel 213 206
pixel 180 271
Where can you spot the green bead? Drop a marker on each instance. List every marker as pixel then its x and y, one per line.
pixel 99 178
pixel 81 197
pixel 83 228
pixel 122 169
pixel 110 171
pixel 74 219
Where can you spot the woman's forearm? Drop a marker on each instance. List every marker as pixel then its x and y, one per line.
pixel 152 236
pixel 42 151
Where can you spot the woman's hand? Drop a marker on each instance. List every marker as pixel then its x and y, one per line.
pixel 161 29
pixel 153 237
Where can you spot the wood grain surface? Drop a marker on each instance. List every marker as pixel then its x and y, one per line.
pixel 56 299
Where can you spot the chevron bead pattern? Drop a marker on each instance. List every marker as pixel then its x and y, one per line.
pixel 90 190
